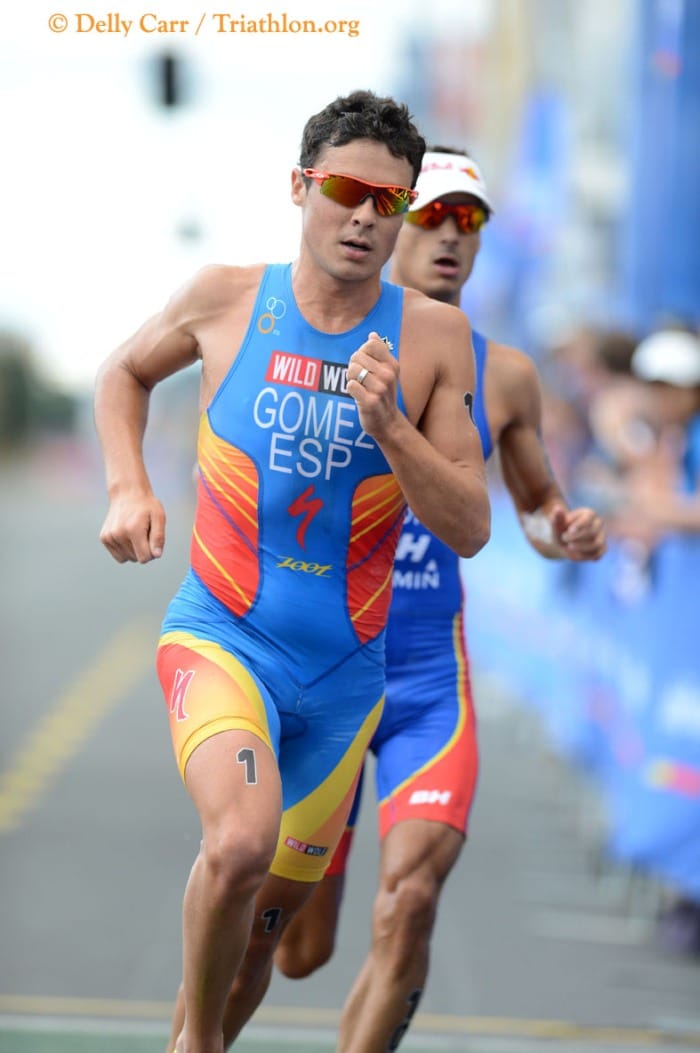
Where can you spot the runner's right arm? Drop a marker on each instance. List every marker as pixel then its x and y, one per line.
pixel 134 529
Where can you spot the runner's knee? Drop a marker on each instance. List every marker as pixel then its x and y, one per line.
pixel 237 863
pixel 405 908
pixel 297 958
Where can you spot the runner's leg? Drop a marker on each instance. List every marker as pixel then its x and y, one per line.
pixel 308 941
pixel 417 855
pixel 240 815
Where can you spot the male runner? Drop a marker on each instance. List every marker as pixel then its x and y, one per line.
pixel 272 653
pixel 425 745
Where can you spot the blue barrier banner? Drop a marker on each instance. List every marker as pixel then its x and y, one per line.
pixel 655 801
pixel 608 656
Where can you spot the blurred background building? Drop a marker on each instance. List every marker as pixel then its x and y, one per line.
pixel 131 160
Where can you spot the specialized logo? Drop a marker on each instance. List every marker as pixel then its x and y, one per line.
pixel 177 696
pixel 307 506
pixel 276 310
pixel 302 846
pixel 312 374
pixel 430 797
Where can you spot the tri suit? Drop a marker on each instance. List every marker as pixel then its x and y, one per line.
pixel 279 624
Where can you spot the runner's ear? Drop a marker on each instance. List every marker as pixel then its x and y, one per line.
pixel 298 187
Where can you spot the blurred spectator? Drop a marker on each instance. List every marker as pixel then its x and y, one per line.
pixel 618 640
pixel 587 377
pixel 660 494
pixel 660 498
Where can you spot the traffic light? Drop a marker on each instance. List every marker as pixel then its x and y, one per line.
pixel 169 80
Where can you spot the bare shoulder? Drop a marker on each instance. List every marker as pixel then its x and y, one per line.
pixel 510 364
pixel 190 325
pixel 433 357
pixel 214 288
pixel 424 315
pixel 512 382
pixel 434 336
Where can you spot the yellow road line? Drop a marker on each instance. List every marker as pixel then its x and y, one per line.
pixel 39 1005
pixel 70 721
pixel 425 1023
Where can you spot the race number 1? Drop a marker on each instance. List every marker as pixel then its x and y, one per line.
pixel 247 756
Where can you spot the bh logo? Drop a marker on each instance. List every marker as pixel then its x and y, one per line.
pixel 430 797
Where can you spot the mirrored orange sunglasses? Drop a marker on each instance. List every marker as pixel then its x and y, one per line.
pixel 469 218
pixel 350 192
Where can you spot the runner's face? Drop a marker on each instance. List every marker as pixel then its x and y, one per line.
pixel 351 244
pixel 437 262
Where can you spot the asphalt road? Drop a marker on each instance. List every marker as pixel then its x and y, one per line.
pixel 536 942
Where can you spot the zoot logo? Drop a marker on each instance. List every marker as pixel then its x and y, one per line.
pixel 319 570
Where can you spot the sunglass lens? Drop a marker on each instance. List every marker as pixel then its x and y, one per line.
pixel 351 192
pixel 428 218
pixel 345 191
pixel 433 217
pixel 390 202
pixel 470 219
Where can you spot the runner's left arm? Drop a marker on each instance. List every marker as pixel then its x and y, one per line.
pixel 553 529
pixel 439 462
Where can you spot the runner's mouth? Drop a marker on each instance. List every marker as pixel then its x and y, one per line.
pixel 447 265
pixel 356 246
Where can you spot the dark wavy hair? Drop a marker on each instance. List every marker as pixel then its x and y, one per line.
pixel 363 115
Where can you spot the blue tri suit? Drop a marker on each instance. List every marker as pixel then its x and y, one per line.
pixel 278 627
pixel 425 746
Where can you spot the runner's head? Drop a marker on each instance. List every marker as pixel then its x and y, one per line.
pixel 360 157
pixel 441 235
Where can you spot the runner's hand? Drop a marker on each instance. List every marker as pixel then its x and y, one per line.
pixel 375 394
pixel 579 531
pixel 134 529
